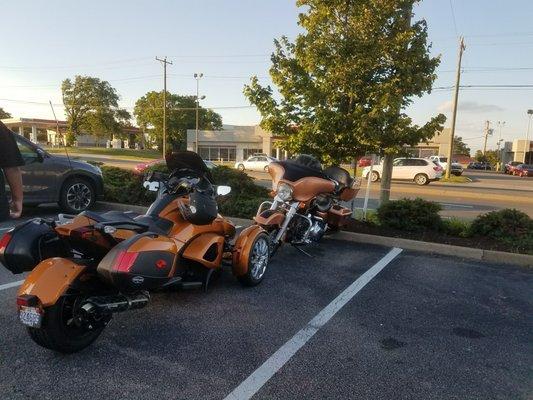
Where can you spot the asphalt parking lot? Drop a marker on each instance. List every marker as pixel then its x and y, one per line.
pixel 424 327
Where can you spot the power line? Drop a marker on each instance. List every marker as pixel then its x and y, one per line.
pixel 453 17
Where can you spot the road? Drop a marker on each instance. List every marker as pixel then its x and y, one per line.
pixel 488 191
pixel 424 327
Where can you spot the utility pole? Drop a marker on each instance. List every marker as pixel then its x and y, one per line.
pixel 462 48
pixel 197 76
pixel 164 62
pixel 488 132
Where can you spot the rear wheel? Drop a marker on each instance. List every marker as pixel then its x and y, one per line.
pixel 257 261
pixel 421 179
pixel 240 167
pixel 266 168
pixel 63 329
pixel 374 177
pixel 77 195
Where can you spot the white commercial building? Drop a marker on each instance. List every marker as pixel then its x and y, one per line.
pixel 234 143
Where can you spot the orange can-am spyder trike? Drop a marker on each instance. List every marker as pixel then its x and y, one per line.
pixel 87 267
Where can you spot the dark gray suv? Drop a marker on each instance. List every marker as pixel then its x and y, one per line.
pixel 49 178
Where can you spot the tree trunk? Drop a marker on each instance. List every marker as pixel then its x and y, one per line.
pixel 386 179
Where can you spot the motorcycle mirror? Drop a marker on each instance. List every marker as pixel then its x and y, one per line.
pixel 223 190
pixel 151 186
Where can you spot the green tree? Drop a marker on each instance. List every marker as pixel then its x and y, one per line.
pixel 181 116
pixel 490 156
pixel 345 82
pixel 4 114
pixel 460 147
pixel 91 106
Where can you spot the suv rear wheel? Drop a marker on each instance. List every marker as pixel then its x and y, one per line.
pixel 77 195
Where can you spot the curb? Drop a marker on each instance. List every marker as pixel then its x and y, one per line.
pixel 490 256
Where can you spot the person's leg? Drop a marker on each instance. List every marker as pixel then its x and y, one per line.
pixel 4 204
pixel 14 180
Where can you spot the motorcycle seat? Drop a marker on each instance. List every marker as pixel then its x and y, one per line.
pixel 153 224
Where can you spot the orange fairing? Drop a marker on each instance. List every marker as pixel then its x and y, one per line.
pixel 307 188
pixel 243 246
pixel 50 279
pixel 206 249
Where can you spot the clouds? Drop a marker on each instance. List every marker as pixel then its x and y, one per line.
pixel 470 107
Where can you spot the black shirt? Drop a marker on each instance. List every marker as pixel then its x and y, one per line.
pixel 9 152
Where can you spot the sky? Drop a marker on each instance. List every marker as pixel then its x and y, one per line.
pixel 228 41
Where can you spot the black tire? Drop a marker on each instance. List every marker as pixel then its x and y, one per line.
pixel 374 177
pixel 77 195
pixel 253 276
pixel 421 179
pixel 266 168
pixel 240 167
pixel 55 335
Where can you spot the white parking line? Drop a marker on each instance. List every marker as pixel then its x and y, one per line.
pixel 456 205
pixel 262 375
pixel 10 285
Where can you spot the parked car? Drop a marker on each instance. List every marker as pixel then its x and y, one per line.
pixel 364 162
pixel 50 178
pixel 421 170
pixel 523 170
pixel 480 165
pixel 140 168
pixel 510 167
pixel 255 163
pixel 457 169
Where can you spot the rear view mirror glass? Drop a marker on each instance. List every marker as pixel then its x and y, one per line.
pixel 151 186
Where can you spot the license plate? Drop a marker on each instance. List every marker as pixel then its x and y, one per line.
pixel 30 316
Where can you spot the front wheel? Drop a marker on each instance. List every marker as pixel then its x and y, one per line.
pixel 77 195
pixel 374 177
pixel 240 167
pixel 257 261
pixel 63 330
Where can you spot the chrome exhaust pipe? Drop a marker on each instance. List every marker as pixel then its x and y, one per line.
pixel 115 303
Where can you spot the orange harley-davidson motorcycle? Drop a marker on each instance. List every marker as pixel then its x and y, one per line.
pixel 88 267
pixel 307 201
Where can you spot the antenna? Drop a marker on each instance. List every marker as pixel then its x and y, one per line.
pixel 60 134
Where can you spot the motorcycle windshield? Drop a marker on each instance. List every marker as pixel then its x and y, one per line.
pixel 186 160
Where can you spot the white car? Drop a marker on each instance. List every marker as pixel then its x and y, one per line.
pixel 443 161
pixel 255 163
pixel 420 170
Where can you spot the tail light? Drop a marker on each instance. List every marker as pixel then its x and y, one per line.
pixel 4 241
pixel 125 261
pixel 27 300
pixel 437 168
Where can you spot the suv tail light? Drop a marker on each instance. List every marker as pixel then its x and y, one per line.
pixel 4 241
pixel 436 168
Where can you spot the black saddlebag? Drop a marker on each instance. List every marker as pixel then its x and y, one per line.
pixel 28 244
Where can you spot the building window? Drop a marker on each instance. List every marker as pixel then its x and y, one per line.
pixel 250 152
pixel 216 153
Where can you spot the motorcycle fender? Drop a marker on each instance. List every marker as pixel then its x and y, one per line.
pixel 50 279
pixel 243 246
pixel 206 249
pixel 269 218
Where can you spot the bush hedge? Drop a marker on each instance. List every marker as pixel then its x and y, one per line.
pixel 509 226
pixel 410 215
pixel 124 186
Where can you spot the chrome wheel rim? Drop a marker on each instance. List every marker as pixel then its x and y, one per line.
pixel 79 196
pixel 421 180
pixel 259 258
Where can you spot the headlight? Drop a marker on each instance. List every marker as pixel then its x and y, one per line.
pixel 284 192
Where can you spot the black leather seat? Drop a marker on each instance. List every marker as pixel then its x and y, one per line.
pixel 339 175
pixel 295 171
pixel 153 224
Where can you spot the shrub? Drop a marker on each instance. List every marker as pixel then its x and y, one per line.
pixel 123 186
pixel 456 227
pixel 410 215
pixel 509 226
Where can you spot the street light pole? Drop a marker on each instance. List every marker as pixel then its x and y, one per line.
pixel 164 62
pixel 197 77
pixel 501 124
pixel 529 113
